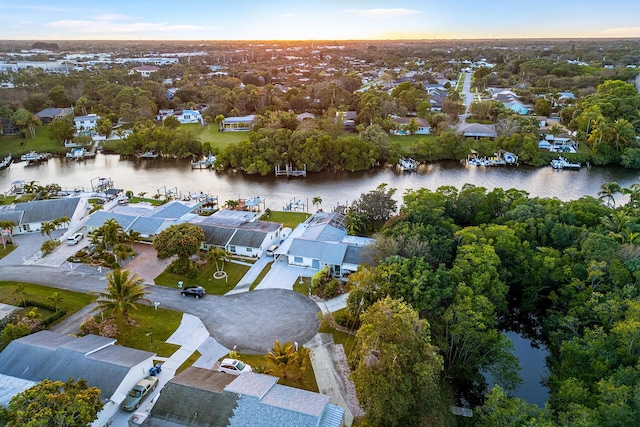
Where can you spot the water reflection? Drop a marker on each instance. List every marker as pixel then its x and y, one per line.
pixel 333 187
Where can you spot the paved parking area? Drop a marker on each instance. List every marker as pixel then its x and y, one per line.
pixel 146 263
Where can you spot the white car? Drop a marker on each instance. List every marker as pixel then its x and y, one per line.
pixel 233 367
pixel 74 239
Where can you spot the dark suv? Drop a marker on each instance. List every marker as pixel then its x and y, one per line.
pixel 196 291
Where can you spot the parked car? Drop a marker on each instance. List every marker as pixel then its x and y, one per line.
pixel 272 250
pixel 233 367
pixel 139 392
pixel 196 291
pixel 74 239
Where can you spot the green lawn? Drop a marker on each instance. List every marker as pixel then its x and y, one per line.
pixel 71 302
pixel 6 251
pixel 289 219
pixel 306 381
pixel 407 141
pixel 260 276
pixel 17 146
pixel 150 330
pixel 304 287
pixel 218 140
pixel 235 272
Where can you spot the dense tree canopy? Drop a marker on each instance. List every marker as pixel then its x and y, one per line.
pixel 55 403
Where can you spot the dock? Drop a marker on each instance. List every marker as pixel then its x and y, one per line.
pixel 290 171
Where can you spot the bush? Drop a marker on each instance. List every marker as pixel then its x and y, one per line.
pixel 48 246
pixel 332 289
pixel 106 328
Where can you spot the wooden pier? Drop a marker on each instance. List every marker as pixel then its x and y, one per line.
pixel 290 171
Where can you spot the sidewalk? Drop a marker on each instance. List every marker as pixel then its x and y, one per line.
pixel 326 368
pixel 250 276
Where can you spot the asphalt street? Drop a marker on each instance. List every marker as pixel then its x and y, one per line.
pixel 251 321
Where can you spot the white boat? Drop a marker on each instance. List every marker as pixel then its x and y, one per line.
pixel 76 153
pixel 562 163
pixel 408 164
pixel 148 155
pixel 204 163
pixel 6 161
pixel 33 157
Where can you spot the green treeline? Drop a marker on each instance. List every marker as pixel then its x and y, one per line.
pixel 473 263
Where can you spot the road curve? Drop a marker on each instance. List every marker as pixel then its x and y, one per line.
pixel 250 321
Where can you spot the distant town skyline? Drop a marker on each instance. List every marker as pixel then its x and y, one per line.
pixel 317 20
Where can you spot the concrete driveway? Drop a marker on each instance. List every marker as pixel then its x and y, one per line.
pixel 251 321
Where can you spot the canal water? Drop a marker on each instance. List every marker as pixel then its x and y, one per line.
pixel 334 188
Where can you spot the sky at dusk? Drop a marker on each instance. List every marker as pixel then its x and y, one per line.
pixel 316 19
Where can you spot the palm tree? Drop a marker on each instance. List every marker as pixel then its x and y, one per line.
pixel 218 254
pixel 607 191
pixel 21 289
pixel 122 293
pixel 47 227
pixel 284 355
pixel 316 201
pixel 134 237
pixel 354 222
pixel 634 195
pixel 56 298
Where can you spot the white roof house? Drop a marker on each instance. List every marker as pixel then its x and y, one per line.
pixel 87 122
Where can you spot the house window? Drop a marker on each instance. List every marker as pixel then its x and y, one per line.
pixel 249 250
pixel 232 249
pixel 297 260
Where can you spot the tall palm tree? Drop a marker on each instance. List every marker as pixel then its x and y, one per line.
pixel 218 254
pixel 607 191
pixel 56 299
pixel 47 227
pixel 122 292
pixel 21 289
pixel 284 355
pixel 634 195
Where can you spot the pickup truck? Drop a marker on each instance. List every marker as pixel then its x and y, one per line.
pixel 138 393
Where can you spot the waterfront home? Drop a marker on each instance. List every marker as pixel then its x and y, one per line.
pixel 403 124
pixel 184 116
pixel 29 217
pixel 88 122
pixel 477 130
pixel 48 114
pixel 322 240
pixel 237 124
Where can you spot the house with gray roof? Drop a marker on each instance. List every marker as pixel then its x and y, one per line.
pixel 238 232
pixel 256 400
pixel 29 216
pixel 322 240
pixel 48 114
pixel 49 355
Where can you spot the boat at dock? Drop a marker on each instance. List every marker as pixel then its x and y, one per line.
pixel 562 163
pixel 148 155
pixel 205 163
pixel 408 165
pixel 33 157
pixel 6 161
pixel 76 153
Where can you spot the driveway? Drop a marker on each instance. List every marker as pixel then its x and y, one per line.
pixel 251 321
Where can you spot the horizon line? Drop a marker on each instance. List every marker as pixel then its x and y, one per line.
pixel 327 40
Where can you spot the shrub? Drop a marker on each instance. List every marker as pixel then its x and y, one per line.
pixel 48 246
pixel 332 289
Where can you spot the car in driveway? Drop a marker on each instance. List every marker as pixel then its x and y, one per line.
pixel 138 393
pixel 195 291
pixel 233 367
pixel 74 239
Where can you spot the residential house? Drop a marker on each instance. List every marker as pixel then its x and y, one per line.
pixel 184 116
pixel 322 240
pixel 48 114
pixel 113 369
pixel 477 130
pixel 88 122
pixel 147 221
pixel 29 217
pixel 510 100
pixel 402 126
pixel 144 70
pixel 237 124
pixel 8 128
pixel 348 119
pixel 238 232
pixel 211 398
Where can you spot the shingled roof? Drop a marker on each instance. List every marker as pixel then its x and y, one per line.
pixel 58 357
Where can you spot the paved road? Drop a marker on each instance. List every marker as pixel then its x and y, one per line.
pixel 252 321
